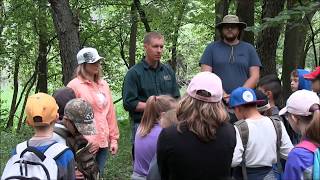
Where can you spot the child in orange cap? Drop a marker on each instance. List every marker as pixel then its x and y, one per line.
pixel 42 113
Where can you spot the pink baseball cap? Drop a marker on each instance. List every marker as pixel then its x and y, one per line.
pixel 300 102
pixel 206 81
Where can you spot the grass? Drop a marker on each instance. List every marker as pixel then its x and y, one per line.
pixel 119 166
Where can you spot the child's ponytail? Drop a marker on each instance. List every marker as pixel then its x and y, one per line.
pixel 313 128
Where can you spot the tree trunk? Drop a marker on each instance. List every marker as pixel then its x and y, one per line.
pixel 295 37
pixel 33 79
pixel 13 107
pixel 2 16
pixel 143 16
pixel 66 26
pixel 221 9
pixel 245 12
pixel 42 84
pixel 173 61
pixel 304 30
pixel 268 38
pixel 133 36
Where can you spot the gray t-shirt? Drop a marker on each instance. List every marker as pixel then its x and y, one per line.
pixel 230 63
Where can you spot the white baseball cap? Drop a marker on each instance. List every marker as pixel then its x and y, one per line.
pixel 299 103
pixel 88 55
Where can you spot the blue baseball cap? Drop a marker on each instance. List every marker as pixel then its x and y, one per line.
pixel 242 96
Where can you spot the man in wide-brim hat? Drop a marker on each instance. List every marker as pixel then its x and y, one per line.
pixel 234 61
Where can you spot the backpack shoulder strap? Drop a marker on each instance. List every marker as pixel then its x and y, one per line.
pixel 21 147
pixel 316 164
pixel 243 128
pixel 276 121
pixel 243 131
pixel 55 150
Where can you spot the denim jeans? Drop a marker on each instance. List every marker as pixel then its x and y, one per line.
pixel 101 159
pixel 134 131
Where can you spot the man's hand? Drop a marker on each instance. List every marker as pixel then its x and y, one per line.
pixel 226 97
pixel 113 148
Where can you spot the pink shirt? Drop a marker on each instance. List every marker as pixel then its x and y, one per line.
pixel 99 96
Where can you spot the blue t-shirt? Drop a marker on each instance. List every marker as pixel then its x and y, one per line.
pixel 231 63
pixel 65 161
pixel 299 164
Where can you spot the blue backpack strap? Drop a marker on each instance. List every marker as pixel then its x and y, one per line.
pixel 316 164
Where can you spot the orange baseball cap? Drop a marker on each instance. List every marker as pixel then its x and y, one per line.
pixel 41 109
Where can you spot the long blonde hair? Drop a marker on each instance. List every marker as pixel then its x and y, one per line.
pixel 201 118
pixel 81 71
pixel 155 105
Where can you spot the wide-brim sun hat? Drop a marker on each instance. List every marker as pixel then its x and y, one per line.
pixel 231 19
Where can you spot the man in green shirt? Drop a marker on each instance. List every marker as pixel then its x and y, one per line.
pixel 148 77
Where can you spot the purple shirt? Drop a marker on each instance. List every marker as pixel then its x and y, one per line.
pixel 145 149
pixel 299 164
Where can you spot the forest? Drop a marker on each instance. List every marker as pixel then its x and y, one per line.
pixel 39 41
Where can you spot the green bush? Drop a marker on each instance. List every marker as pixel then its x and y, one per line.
pixel 9 140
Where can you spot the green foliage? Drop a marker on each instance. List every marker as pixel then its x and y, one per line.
pixel 296 13
pixel 8 141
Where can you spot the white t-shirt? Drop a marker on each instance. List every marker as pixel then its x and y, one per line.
pixel 261 148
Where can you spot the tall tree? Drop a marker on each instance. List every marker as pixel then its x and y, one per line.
pixel 245 11
pixel 177 26
pixel 41 28
pixel 133 36
pixel 143 16
pixel 294 43
pixel 13 107
pixel 268 38
pixel 66 25
pixel 221 9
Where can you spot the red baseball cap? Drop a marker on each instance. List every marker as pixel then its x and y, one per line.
pixel 313 74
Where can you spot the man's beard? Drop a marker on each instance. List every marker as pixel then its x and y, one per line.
pixel 230 39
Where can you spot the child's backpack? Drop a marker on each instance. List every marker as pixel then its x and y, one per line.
pixel 30 163
pixel 316 158
pixel 242 126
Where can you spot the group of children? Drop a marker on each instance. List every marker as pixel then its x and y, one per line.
pixel 262 142
pixel 186 139
pixel 58 149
